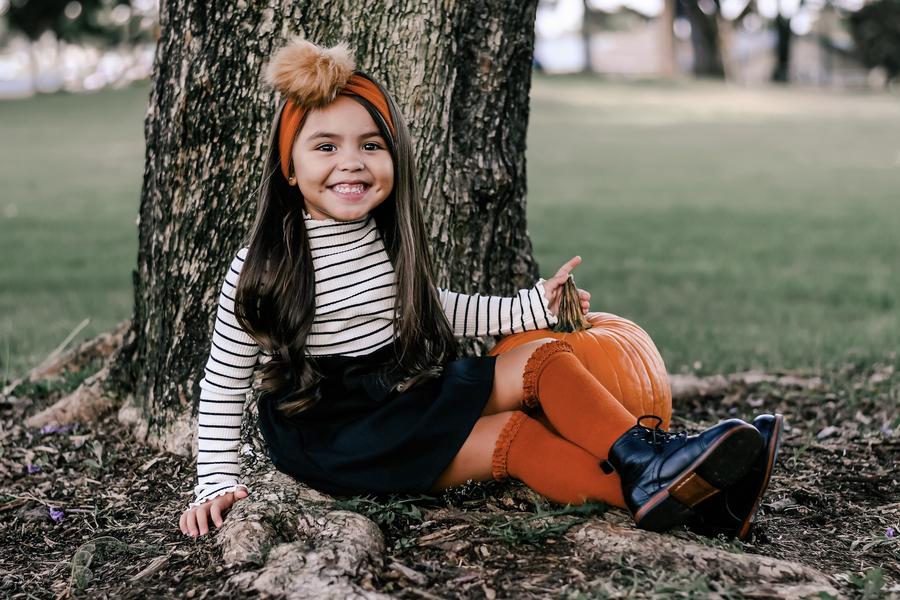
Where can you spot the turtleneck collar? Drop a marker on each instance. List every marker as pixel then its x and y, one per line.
pixel 331 233
pixel 311 222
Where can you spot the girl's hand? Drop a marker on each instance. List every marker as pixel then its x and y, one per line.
pixel 553 287
pixel 195 521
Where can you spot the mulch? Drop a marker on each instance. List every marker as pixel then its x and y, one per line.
pixel 87 512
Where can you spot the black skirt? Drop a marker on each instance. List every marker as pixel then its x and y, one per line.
pixel 363 438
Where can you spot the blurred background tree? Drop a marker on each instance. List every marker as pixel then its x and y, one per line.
pixel 102 22
pixel 70 20
pixel 876 32
pixel 67 41
pixel 703 15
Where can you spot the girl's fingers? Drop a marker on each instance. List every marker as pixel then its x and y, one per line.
pixel 216 513
pixel 201 518
pixel 191 522
pixel 564 270
pixel 584 294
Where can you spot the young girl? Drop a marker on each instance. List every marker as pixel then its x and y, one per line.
pixel 362 390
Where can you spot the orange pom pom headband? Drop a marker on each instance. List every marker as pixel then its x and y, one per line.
pixel 312 77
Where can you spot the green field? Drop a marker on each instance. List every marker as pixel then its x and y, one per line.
pixel 71 169
pixel 741 228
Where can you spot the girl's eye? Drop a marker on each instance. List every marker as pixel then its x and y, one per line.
pixel 375 146
pixel 324 146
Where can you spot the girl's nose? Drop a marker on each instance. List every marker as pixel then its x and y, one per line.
pixel 352 165
pixel 351 161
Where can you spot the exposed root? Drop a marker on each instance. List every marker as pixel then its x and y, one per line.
pixel 100 347
pixel 754 575
pixel 90 400
pixel 689 386
pixel 291 540
pixel 296 547
pixel 87 403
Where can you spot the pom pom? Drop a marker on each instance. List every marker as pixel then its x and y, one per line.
pixel 310 75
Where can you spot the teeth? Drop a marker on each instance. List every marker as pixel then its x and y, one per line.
pixel 343 188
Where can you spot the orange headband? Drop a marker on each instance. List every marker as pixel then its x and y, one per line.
pixel 293 113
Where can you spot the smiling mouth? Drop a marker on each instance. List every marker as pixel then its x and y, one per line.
pixel 348 189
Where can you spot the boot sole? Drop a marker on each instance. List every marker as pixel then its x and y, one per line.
pixel 713 470
pixel 772 450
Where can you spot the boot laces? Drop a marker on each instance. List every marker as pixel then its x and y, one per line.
pixel 656 435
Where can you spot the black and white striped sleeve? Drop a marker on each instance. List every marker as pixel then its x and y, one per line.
pixel 476 315
pixel 223 392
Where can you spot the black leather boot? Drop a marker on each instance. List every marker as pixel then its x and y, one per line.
pixel 664 475
pixel 731 513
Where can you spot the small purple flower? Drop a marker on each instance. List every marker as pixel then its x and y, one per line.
pixel 57 514
pixel 57 428
pixel 890 532
pixel 32 469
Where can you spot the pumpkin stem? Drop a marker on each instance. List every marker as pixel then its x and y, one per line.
pixel 569 312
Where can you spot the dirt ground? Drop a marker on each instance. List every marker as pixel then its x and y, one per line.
pixel 86 512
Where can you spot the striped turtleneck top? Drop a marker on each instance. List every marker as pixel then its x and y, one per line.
pixel 355 295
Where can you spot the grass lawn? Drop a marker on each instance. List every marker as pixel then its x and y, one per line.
pixel 741 228
pixel 71 170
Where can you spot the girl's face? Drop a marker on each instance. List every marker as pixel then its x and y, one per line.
pixel 342 164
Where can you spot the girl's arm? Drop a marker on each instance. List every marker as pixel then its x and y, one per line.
pixel 223 391
pixel 476 315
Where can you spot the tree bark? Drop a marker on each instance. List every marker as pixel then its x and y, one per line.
pixel 461 73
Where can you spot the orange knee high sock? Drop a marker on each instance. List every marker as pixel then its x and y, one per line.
pixel 580 408
pixel 552 466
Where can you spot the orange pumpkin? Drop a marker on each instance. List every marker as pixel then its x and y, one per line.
pixel 619 354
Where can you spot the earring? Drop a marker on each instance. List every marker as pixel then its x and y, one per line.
pixel 292 180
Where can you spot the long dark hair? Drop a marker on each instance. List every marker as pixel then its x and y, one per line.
pixel 275 298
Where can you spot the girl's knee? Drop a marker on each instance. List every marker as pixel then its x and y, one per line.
pixel 494 425
pixel 537 360
pixel 535 344
pixel 507 428
pixel 475 459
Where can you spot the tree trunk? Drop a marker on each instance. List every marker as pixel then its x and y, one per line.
pixel 667 63
pixel 587 32
pixel 461 73
pixel 781 73
pixel 705 41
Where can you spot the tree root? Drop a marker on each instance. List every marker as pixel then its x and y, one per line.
pixel 288 537
pixel 101 346
pixel 690 386
pixel 89 401
pixel 298 547
pixel 754 575
pixel 85 404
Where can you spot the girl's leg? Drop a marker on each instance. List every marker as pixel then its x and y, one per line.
pixel 507 393
pixel 662 475
pixel 580 408
pixel 576 406
pixel 513 444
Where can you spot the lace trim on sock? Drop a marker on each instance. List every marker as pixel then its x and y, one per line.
pixel 535 365
pixel 504 440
